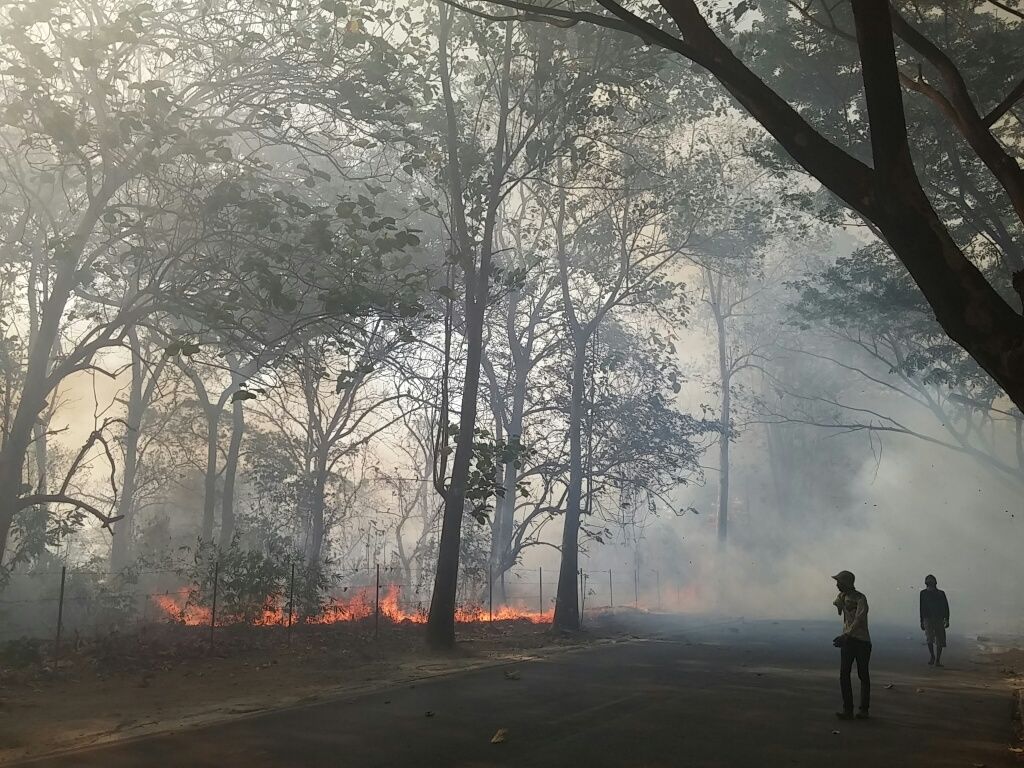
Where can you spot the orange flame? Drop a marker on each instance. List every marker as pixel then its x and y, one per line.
pixel 176 607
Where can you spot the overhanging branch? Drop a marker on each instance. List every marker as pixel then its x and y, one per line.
pixel 24 502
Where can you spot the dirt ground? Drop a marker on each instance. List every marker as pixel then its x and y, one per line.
pixel 1010 664
pixel 719 693
pixel 169 677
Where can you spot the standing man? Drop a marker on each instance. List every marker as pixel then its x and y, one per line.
pixel 854 645
pixel 934 619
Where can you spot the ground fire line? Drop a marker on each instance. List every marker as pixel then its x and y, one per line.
pixel 177 607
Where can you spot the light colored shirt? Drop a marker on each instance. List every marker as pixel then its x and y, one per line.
pixel 854 608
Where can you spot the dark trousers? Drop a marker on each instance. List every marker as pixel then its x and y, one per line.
pixel 854 650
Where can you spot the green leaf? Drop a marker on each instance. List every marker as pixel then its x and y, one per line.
pixel 448 292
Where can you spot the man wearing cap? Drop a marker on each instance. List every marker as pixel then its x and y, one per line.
pixel 854 645
pixel 934 618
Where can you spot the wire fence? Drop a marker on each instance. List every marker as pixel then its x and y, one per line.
pixel 84 603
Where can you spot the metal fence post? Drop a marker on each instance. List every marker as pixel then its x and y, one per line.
pixel 376 605
pixel 60 611
pixel 636 588
pixel 611 591
pixel 213 611
pixel 540 593
pixel 291 605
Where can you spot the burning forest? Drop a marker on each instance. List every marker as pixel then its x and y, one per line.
pixel 359 606
pixel 357 355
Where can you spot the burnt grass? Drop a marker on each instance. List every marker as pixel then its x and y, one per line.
pixel 152 676
pixel 165 646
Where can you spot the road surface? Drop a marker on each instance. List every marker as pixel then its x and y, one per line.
pixel 740 694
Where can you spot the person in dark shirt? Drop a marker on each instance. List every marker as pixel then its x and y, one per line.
pixel 934 619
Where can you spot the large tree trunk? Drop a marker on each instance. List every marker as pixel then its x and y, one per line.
pixel 40 447
pixel 227 510
pixel 505 508
pixel 12 458
pixel 317 514
pixel 567 608
pixel 500 479
pixel 122 541
pixel 15 451
pixel 210 476
pixel 37 386
pixel 504 520
pixel 140 395
pixel 32 400
pixel 37 278
pixel 441 619
pixel 121 544
pixel 889 194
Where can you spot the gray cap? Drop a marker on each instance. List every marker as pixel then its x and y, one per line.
pixel 844 577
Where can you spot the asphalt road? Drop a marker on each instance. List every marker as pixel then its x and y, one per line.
pixel 746 694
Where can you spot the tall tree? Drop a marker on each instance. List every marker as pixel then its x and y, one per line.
pixel 729 223
pixel 889 192
pixel 338 405
pixel 613 255
pixel 535 103
pixel 523 340
pixel 111 143
pixel 475 261
pixel 147 366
